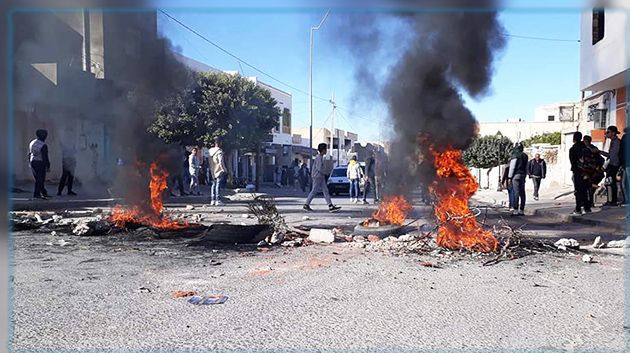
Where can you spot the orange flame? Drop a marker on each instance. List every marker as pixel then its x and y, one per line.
pixel 453 188
pixel 392 210
pixel 144 215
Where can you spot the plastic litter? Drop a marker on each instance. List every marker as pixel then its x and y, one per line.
pixel 208 299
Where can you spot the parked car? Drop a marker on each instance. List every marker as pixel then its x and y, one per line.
pixel 338 182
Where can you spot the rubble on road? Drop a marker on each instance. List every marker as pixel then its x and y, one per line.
pixel 318 235
pixel 616 244
pixel 565 243
pixel 208 299
pixel 587 259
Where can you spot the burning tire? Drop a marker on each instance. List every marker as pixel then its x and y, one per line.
pixel 381 231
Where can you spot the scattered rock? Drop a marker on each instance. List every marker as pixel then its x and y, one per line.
pixel 190 207
pixel 373 238
pixel 390 239
pixel 348 238
pixel 358 238
pixel 56 218
pixel 294 243
pixel 144 290
pixel 566 243
pixel 598 242
pixel 321 236
pixel 306 218
pixel 53 233
pixel 81 229
pixel 276 238
pixel 262 244
pixel 616 244
pixel 245 215
pixel 407 237
pixel 587 259
pixel 38 217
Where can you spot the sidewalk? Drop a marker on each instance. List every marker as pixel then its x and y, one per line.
pixel 560 209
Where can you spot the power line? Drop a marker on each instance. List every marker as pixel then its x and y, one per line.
pixel 236 57
pixel 542 38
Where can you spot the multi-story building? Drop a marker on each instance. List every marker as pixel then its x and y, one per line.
pixel 79 74
pixel 605 68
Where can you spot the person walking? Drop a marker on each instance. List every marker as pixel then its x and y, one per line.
pixel 517 177
pixel 218 170
pixel 537 170
pixel 354 174
pixel 592 168
pixel 370 179
pixel 40 164
pixel 580 180
pixel 194 167
pixel 68 164
pixel 319 181
pixel 614 162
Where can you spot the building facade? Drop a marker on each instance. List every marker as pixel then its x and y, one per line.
pixel 75 73
pixel 605 68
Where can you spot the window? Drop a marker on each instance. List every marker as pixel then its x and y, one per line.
pixel 598 25
pixel 599 118
pixel 286 121
pixel 551 118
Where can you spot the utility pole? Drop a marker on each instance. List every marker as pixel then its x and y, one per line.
pixel 310 83
pixel 332 129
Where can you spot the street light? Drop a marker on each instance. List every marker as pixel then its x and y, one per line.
pixel 310 81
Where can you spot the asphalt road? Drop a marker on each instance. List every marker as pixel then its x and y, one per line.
pixel 337 297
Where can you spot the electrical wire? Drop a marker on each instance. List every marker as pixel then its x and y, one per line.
pixel 236 57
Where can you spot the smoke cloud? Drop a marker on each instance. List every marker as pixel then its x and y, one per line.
pixel 116 83
pixel 448 46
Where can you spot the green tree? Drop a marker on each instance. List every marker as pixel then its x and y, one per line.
pixel 218 105
pixel 488 152
pixel 554 138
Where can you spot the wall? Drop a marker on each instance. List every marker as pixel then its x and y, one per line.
pixel 519 131
pixel 604 63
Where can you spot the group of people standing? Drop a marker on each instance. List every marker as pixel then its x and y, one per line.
pixel 589 168
pixel 209 171
pixel 40 165
pixel 293 176
pixel 355 174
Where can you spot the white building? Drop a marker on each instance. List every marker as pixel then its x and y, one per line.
pixel 605 67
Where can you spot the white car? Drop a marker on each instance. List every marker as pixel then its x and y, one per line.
pixel 338 182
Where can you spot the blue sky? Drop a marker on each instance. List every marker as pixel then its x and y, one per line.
pixel 528 72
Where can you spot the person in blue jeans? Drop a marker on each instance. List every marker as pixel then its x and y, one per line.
pixel 354 174
pixel 508 186
pixel 218 170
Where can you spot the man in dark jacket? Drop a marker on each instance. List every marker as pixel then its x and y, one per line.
pixel 614 162
pixel 370 178
pixel 40 164
pixel 580 180
pixel 537 170
pixel 517 177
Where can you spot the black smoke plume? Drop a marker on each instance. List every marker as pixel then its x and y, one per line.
pixel 446 47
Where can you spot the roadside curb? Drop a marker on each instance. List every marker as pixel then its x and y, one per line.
pixel 19 205
pixel 565 217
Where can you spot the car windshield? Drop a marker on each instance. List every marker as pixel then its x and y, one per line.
pixel 339 172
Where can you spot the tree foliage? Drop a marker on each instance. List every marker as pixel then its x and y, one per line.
pixel 488 151
pixel 218 105
pixel 553 138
